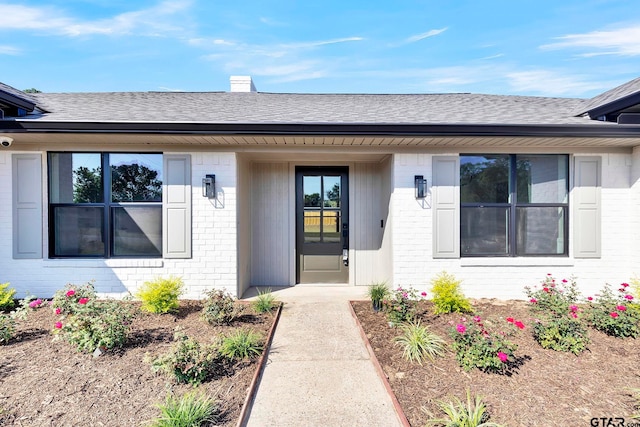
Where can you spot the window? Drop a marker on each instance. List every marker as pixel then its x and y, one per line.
pixel 105 205
pixel 514 205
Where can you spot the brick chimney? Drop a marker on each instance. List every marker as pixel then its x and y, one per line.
pixel 242 84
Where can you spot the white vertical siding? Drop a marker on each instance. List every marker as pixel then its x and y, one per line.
pixel 244 225
pixel 366 233
pixel 271 227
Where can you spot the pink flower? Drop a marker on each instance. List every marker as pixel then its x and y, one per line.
pixel 58 325
pixel 621 308
pixel 628 297
pixel 461 328
pixel 574 315
pixel 624 285
pixel 510 319
pixel 546 290
pixel 83 301
pixel 502 356
pixel 424 294
pixel 548 274
pixel 70 293
pixel 564 280
pixel 573 308
pixel 35 303
pixel 613 314
pixel 533 300
pixel 589 298
pixel 519 324
pixel 58 310
pixel 476 319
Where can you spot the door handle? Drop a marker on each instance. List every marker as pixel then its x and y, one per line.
pixel 345 257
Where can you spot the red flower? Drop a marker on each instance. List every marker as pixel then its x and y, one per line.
pixel 58 310
pixel 461 328
pixel 564 280
pixel 573 308
pixel 58 325
pixel 574 315
pixel 83 301
pixel 502 356
pixel 533 300
pixel 71 293
pixel 628 297
pixel 477 319
pixel 546 289
pixel 613 314
pixel 519 324
pixel 624 285
pixel 510 319
pixel 621 308
pixel 589 298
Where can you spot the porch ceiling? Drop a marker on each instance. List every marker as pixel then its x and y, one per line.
pixel 369 142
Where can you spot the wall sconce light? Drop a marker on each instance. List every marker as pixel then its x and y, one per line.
pixel 209 186
pixel 421 187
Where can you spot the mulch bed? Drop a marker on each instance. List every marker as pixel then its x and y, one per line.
pixel 549 387
pixel 46 383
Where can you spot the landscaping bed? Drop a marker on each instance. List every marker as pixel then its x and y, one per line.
pixel 545 387
pixel 44 383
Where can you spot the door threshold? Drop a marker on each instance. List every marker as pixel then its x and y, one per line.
pixel 342 285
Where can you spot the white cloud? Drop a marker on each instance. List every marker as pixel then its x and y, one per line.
pixel 554 83
pixel 621 41
pixel 422 36
pixel 9 50
pixel 155 21
pixel 498 55
pixel 307 45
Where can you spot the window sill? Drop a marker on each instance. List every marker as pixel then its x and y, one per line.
pixel 517 262
pixel 103 263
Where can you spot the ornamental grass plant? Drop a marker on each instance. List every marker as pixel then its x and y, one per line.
pixel 192 409
pixel 418 343
pixel 472 413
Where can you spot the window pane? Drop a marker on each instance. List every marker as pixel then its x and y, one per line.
pixel 483 231
pixel 78 231
pixel 484 179
pixel 136 177
pixel 540 231
pixel 75 178
pixel 332 190
pixel 542 179
pixel 312 226
pixel 331 232
pixel 137 231
pixel 311 188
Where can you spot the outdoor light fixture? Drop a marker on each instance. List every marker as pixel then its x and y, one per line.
pixel 421 187
pixel 209 186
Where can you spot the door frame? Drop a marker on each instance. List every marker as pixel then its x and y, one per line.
pixel 293 218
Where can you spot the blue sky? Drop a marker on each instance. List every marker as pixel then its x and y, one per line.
pixel 562 48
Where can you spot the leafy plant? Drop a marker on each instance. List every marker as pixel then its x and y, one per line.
pixel 6 296
pixel 377 292
pixel 264 302
pixel 160 295
pixel 479 344
pixel 188 361
pixel 7 328
pixel 447 295
pixel 615 315
pixel 553 298
pixel 472 413
pixel 561 334
pixel 67 300
pixel 191 410
pixel 401 305
pixel 418 343
pixel 242 344
pixel 220 308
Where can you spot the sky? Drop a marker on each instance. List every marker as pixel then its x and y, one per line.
pixel 568 48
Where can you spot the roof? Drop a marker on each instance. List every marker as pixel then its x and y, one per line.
pixel 14 99
pixel 614 100
pixel 285 108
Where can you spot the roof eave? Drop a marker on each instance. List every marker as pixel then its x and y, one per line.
pixel 391 129
pixel 617 105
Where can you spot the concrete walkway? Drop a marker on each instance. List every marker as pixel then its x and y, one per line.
pixel 319 372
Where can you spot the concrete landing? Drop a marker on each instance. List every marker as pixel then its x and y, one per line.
pixel 319 372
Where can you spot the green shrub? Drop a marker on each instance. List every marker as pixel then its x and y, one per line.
pixel 615 315
pixel 191 410
pixel 7 328
pixel 220 308
pixel 378 292
pixel 242 344
pixel 89 323
pixel 264 302
pixel 553 298
pixel 472 413
pixel 188 361
pixel 447 295
pixel 6 296
pixel 481 344
pixel 418 343
pixel 561 334
pixel 401 305
pixel 160 295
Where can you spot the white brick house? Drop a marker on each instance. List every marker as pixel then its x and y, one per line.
pixel 317 189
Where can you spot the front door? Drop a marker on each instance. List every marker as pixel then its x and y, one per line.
pixel 322 225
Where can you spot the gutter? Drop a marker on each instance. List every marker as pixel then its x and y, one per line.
pixel 364 129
